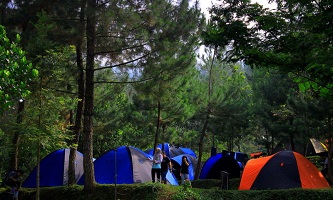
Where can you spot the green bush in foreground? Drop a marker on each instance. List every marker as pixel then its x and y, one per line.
pixel 200 190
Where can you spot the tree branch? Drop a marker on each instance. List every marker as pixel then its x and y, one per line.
pixel 122 82
pixel 118 50
pixel 121 64
pixel 312 80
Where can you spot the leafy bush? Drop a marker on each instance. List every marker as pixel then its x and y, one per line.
pixel 200 190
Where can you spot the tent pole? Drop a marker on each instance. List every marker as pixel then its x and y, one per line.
pixel 115 174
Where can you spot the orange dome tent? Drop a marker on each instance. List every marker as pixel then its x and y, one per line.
pixel 283 170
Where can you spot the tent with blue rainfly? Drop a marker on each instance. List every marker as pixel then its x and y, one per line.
pixel 239 157
pixel 177 162
pixel 124 165
pixel 172 151
pixel 164 147
pixel 220 162
pixel 54 169
pixel 176 151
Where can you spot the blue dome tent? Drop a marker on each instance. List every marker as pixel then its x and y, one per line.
pixel 54 169
pixel 239 156
pixel 128 163
pixel 176 151
pixel 164 147
pixel 220 162
pixel 177 162
pixel 172 151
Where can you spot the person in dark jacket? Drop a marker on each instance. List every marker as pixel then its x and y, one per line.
pixel 17 181
pixel 165 167
pixel 184 172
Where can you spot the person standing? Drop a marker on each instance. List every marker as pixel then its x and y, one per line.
pixel 165 167
pixel 156 168
pixel 16 181
pixel 324 170
pixel 184 172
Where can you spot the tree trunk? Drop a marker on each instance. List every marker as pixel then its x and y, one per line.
pixel 3 11
pixel 157 124
pixel 78 124
pixel 204 128
pixel 38 170
pixel 329 165
pixel 202 136
pixel 267 144
pixel 16 139
pixel 39 142
pixel 272 143
pixel 89 101
pixel 330 150
pixel 291 136
pixel 80 103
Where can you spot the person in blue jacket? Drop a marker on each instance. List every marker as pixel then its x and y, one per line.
pixel 156 168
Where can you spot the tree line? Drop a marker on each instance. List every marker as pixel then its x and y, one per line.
pixel 93 75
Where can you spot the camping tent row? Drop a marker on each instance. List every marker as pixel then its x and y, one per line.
pixel 128 164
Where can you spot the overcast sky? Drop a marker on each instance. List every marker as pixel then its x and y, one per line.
pixel 205 4
pixel 208 3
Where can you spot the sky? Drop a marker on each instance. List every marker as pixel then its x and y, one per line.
pixel 208 3
pixel 205 4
